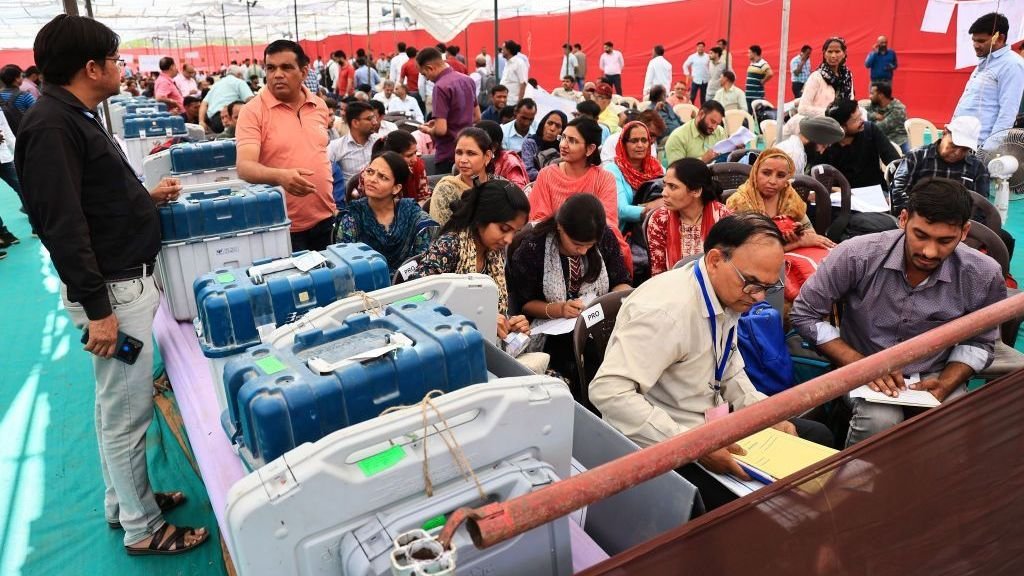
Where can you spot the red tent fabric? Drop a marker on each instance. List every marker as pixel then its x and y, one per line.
pixel 925 81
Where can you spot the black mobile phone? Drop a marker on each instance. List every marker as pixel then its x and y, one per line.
pixel 127 350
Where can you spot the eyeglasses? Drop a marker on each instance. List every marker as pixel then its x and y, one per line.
pixel 753 287
pixel 120 61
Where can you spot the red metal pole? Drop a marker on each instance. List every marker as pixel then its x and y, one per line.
pixel 495 523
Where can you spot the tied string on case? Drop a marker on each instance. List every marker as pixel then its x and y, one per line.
pixel 453 445
pixel 371 305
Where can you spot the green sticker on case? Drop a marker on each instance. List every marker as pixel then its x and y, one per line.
pixel 381 461
pixel 270 365
pixel 412 299
pixel 225 278
pixel 435 522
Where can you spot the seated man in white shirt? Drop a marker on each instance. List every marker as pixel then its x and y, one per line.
pixel 672 362
pixel 384 127
pixel 386 94
pixel 405 105
pixel 354 149
pixel 816 134
pixel 521 127
pixel 568 90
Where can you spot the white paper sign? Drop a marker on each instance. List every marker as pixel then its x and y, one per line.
pixel 593 315
pixel 408 268
pixel 867 199
pixel 149 63
pixel 937 16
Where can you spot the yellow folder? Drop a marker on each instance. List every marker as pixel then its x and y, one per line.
pixel 779 454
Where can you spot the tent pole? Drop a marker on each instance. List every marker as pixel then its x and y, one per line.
pixel 728 37
pixel 224 24
pixel 316 36
pixel 497 43
pixel 368 29
pixel 568 42
pixel 351 41
pixel 248 15
pixel 783 64
pixel 295 11
pixel 206 38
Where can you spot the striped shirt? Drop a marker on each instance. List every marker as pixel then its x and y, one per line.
pixel 882 309
pixel 23 102
pixel 925 162
pixel 756 72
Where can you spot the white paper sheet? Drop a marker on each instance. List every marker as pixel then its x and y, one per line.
pixel 739 139
pixel 867 199
pixel 908 397
pixel 937 16
pixel 553 327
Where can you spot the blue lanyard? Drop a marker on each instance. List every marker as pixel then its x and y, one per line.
pixel 720 361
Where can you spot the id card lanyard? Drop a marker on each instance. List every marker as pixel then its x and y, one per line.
pixel 721 360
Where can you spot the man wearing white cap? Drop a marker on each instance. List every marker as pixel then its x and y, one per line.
pixel 951 157
pixel 816 134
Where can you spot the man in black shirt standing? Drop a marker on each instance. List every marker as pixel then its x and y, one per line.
pixel 102 229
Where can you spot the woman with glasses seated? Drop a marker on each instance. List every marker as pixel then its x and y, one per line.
pixel 394 226
pixel 541 149
pixel 404 144
pixel 565 263
pixel 692 205
pixel 633 165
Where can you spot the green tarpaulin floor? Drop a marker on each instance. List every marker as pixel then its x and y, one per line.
pixel 51 522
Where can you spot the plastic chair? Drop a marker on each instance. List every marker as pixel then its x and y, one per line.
pixel 428 164
pixel 889 172
pixel 830 178
pixel 759 106
pixel 684 261
pixel 864 102
pixel 805 185
pixel 398 277
pixel 986 213
pixel 735 118
pixel 686 112
pixel 738 155
pixel 916 129
pixel 770 132
pixel 591 343
pixel 730 175
pixel 432 181
pixel 983 238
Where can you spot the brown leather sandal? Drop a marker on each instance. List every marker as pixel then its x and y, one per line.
pixel 163 544
pixel 167 501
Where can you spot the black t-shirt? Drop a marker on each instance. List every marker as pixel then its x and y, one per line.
pixel 83 198
pixel 861 161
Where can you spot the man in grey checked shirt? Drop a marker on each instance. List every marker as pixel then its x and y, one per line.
pixel 899 284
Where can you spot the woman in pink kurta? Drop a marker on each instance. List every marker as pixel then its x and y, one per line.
pixel 579 172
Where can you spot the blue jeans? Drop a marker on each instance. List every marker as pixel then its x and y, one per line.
pixel 124 410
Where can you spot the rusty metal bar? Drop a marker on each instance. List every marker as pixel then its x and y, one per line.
pixel 497 522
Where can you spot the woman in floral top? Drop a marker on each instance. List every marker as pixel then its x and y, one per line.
pixel 692 206
pixel 483 223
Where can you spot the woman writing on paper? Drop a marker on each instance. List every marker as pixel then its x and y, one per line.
pixel 565 263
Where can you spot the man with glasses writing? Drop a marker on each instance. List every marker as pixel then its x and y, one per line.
pixel 672 362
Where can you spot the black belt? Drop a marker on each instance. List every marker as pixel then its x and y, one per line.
pixel 132 273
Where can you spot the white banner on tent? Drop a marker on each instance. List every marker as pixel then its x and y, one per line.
pixel 546 102
pixel 128 58
pixel 149 63
pixel 939 12
pixel 191 54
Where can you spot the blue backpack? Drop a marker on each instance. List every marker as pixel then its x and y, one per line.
pixel 763 346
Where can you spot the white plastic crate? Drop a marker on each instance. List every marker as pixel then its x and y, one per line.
pixel 332 507
pixel 180 263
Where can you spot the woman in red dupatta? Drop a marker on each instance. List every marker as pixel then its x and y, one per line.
pixel 692 206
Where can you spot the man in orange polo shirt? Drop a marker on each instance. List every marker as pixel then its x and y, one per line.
pixel 281 137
